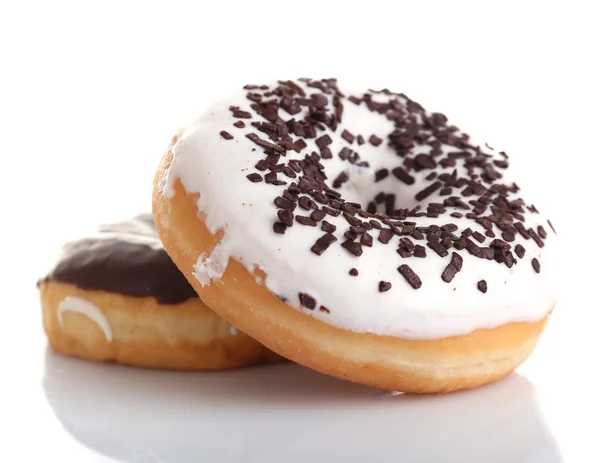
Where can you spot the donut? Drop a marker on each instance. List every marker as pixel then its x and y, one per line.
pixel 358 234
pixel 116 296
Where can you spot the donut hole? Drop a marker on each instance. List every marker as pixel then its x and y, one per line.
pixel 375 189
pixel 394 170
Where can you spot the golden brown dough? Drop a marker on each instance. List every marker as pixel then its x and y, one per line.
pixel 145 333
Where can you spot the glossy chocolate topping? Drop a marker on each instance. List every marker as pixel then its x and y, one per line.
pixel 126 258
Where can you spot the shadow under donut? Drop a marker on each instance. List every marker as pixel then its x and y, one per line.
pixel 289 413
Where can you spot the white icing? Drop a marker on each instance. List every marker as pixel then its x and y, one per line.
pixel 76 304
pixel 216 169
pixel 209 268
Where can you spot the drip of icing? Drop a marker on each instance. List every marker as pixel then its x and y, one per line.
pixel 438 309
pixel 212 267
pixel 76 304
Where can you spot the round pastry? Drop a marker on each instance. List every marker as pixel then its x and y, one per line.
pixel 358 234
pixel 117 297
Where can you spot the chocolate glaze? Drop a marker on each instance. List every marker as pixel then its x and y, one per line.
pixel 126 258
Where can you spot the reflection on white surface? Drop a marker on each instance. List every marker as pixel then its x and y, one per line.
pixel 289 413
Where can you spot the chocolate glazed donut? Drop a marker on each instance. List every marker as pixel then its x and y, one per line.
pixel 116 296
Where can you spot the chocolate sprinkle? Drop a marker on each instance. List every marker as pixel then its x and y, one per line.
pixel 452 268
pixel 456 261
pixel 348 136
pixel 509 260
pixel 438 248
pixel 402 175
pixel 375 140
pixel 226 135
pixel 411 277
pixel 366 240
pixel 317 215
pixel 449 273
pixel 508 236
pixel 299 145
pixel 421 195
pixel 330 211
pixel 522 230
pixel 482 286
pixel 328 227
pixel 284 203
pixel 460 243
pixel 340 180
pixel 536 237
pixel 254 177
pixel 261 165
pixel 542 232
pixel 307 301
pixel 536 265
pixel 323 243
pixel 381 174
pixel 353 272
pixel 478 236
pixel 420 251
pixel 520 251
pixel 306 221
pixel 279 227
pixel 237 112
pixel 385 235
pixel 384 286
pixel 263 143
pixel 286 217
pixel 353 247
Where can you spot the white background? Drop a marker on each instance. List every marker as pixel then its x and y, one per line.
pixel 91 93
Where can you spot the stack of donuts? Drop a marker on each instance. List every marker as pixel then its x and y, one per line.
pixel 355 233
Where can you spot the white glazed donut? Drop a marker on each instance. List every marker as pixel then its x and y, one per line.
pixel 358 234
